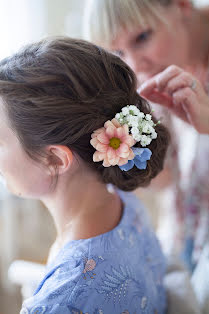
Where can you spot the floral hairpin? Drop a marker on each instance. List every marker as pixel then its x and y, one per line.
pixel 114 142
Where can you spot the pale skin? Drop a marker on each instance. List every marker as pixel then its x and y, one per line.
pixel 171 61
pixel 80 205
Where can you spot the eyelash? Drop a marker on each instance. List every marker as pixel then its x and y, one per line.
pixel 142 37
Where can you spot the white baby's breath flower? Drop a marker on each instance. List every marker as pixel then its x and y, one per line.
pixel 121 121
pixel 145 140
pixel 137 137
pixel 132 107
pixel 134 131
pixel 117 116
pixel 133 121
pixel 141 115
pixel 125 111
pixel 151 123
pixel 147 128
pixel 151 129
pixel 148 117
pixel 141 126
pixel 154 135
pixel 134 110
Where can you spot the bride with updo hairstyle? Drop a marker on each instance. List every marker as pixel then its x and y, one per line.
pixel 75 134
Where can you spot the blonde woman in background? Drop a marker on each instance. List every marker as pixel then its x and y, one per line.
pixel 166 43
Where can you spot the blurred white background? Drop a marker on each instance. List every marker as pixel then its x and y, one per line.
pixel 26 230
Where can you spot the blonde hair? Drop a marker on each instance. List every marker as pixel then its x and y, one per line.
pixel 104 18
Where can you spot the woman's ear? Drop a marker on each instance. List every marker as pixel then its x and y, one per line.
pixel 60 157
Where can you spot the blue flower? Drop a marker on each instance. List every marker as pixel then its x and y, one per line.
pixel 140 159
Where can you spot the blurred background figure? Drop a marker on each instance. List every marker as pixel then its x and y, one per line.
pixel 26 229
pixel 166 43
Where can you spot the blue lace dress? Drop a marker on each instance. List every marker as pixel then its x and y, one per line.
pixel 118 272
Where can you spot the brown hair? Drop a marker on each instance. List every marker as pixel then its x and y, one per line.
pixel 60 90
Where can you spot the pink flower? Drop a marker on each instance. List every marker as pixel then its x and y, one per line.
pixel 113 144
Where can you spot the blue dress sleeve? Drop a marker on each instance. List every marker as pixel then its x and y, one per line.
pixel 99 287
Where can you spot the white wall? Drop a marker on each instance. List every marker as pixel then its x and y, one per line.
pixel 201 2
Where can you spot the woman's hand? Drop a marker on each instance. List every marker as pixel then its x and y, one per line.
pixel 182 93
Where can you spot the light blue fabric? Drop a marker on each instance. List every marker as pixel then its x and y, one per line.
pixel 119 272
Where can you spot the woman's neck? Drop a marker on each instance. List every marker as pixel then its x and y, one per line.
pixel 83 208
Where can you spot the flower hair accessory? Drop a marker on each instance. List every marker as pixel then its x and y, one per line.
pixel 141 126
pixel 114 142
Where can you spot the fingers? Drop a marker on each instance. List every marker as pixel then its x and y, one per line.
pixel 147 88
pixel 160 80
pixel 182 93
pixel 185 95
pixel 166 76
pixel 166 83
pixel 183 80
pixel 160 98
pixel 185 99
